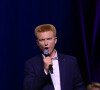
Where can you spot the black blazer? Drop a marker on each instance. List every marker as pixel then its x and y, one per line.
pixel 36 79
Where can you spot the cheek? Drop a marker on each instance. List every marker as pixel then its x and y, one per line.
pixel 52 44
pixel 40 45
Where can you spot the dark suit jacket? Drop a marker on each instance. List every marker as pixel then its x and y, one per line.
pixel 36 79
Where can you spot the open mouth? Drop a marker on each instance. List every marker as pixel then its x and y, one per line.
pixel 46 48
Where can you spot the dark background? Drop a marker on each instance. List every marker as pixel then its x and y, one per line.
pixel 78 29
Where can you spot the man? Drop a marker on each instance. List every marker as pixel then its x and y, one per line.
pixel 65 76
pixel 93 86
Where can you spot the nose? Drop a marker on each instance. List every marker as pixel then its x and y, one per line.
pixel 46 43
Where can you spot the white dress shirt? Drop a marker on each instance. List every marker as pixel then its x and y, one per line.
pixel 56 73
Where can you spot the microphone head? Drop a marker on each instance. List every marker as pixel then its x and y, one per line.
pixel 46 53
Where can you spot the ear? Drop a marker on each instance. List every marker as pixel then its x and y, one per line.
pixel 55 40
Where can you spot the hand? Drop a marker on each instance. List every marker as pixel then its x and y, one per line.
pixel 47 61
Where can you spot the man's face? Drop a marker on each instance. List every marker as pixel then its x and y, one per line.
pixel 46 40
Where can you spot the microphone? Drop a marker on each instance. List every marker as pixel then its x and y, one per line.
pixel 46 53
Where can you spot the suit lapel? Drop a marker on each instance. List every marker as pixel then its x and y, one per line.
pixel 61 68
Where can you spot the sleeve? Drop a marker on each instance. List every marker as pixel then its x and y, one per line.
pixel 33 79
pixel 78 82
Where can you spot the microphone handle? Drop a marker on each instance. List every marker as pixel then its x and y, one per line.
pixel 50 69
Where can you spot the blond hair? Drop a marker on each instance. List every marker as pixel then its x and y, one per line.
pixel 44 28
pixel 93 85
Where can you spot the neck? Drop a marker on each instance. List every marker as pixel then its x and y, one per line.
pixel 53 53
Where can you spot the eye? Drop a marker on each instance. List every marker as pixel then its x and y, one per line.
pixel 49 38
pixel 41 40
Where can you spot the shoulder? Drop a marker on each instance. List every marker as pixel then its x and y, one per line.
pixel 34 59
pixel 67 58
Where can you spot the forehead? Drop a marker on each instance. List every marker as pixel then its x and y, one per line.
pixel 46 34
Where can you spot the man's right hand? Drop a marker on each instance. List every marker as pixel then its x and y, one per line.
pixel 47 61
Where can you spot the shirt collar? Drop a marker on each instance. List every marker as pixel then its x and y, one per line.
pixel 56 56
